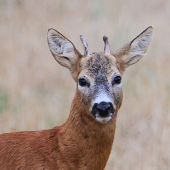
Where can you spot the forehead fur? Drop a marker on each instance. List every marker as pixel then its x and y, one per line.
pixel 98 64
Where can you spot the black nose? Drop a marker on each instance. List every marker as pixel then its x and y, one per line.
pixel 103 109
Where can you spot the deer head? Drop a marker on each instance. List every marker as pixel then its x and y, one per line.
pixel 98 75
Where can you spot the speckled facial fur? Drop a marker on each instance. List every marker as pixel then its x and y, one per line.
pixel 99 70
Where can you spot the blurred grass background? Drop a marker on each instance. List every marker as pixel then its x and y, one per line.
pixel 36 92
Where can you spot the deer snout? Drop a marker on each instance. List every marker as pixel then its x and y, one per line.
pixel 103 109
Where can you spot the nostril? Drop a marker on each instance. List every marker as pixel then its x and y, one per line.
pixel 103 106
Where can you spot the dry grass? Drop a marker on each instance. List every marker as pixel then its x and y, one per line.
pixel 36 93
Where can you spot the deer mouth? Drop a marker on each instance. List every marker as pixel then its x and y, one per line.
pixel 103 119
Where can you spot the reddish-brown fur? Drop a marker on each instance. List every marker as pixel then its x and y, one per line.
pixel 80 143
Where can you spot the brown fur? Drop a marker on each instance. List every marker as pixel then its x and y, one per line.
pixel 82 142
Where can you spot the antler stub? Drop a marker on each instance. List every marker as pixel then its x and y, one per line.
pixel 86 50
pixel 107 45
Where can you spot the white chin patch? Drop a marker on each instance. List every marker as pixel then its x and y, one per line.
pixel 103 120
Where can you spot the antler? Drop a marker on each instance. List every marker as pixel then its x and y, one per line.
pixel 107 45
pixel 86 50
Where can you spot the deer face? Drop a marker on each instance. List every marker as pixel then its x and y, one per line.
pixel 99 83
pixel 98 75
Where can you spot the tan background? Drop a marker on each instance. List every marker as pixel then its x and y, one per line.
pixel 36 92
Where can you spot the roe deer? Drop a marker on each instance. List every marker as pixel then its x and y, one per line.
pixel 85 140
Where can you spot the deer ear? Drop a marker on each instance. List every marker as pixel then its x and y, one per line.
pixel 132 52
pixel 62 49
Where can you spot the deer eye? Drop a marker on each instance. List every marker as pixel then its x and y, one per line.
pixel 117 80
pixel 82 82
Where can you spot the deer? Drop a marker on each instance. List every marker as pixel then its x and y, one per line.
pixel 84 141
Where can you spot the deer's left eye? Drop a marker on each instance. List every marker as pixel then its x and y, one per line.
pixel 117 80
pixel 82 82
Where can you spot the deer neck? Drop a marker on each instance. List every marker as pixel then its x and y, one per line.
pixel 84 139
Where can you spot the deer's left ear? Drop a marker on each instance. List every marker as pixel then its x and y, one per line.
pixel 132 52
pixel 64 51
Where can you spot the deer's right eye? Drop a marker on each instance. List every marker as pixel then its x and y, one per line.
pixel 117 80
pixel 82 82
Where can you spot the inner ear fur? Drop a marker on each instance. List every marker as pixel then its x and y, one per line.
pixel 133 51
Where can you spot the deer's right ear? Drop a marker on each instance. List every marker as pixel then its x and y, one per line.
pixel 63 50
pixel 132 52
